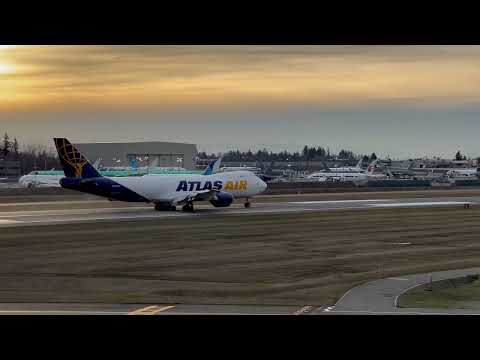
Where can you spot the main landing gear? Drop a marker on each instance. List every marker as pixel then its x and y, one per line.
pixel 247 203
pixel 165 207
pixel 187 207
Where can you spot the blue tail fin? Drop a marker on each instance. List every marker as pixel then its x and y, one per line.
pixel 74 164
pixel 212 167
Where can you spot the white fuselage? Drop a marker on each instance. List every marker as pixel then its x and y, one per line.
pixel 168 188
pixel 462 172
pixel 337 176
pixel 344 170
pixel 40 180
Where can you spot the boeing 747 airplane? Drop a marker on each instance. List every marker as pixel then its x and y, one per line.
pixel 166 192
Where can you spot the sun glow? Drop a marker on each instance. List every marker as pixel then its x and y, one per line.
pixel 6 69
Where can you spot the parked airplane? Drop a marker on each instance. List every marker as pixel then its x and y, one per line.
pixel 166 192
pixel 51 178
pixel 471 172
pixel 355 177
pixel 345 169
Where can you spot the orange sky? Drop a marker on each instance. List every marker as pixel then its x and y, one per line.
pixel 37 77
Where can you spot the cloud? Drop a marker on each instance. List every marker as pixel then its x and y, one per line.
pixel 235 75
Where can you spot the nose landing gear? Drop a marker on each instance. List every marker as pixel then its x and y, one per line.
pixel 187 207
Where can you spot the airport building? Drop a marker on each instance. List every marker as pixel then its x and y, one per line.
pixel 166 154
pixel 9 168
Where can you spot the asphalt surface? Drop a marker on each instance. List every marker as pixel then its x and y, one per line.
pixel 146 309
pixel 14 214
pixel 381 296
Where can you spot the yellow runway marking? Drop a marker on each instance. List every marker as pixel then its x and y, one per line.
pixel 150 310
pixel 162 309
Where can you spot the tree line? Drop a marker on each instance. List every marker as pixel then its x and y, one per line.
pixel 307 154
pixel 30 157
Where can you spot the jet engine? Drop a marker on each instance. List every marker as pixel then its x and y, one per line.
pixel 222 199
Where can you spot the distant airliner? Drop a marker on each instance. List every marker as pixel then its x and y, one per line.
pixel 333 174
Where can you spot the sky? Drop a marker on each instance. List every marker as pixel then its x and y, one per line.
pixel 397 101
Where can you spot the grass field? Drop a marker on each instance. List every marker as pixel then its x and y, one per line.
pixel 310 258
pixel 446 294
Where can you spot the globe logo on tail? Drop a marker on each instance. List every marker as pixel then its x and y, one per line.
pixel 71 156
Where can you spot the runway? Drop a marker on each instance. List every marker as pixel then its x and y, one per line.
pixel 55 212
pixel 146 309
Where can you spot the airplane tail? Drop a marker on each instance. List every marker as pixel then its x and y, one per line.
pixel 371 168
pixel 325 166
pixel 359 164
pixel 213 167
pixel 74 164
pixel 96 164
pixel 133 163
pixel 153 164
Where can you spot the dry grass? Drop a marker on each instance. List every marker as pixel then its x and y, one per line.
pixel 462 293
pixel 310 258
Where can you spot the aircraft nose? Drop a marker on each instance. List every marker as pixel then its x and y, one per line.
pixel 262 184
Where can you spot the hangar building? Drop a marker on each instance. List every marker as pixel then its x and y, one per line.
pixel 141 153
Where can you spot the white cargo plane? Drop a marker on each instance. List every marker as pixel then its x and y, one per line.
pixel 166 192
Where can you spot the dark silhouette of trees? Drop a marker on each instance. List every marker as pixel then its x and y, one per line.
pixel 15 148
pixel 459 156
pixel 307 154
pixel 6 145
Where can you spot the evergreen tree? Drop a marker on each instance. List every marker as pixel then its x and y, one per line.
pixel 321 152
pixel 458 155
pixel 373 156
pixel 305 152
pixel 15 147
pixel 6 145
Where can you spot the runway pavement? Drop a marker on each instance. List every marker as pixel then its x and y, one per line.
pixel 15 214
pixel 380 297
pixel 146 309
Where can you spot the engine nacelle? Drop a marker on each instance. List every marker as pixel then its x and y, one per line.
pixel 222 199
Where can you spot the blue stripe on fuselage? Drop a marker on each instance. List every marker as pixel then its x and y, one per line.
pixel 102 186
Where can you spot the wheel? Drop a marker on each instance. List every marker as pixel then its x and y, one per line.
pixel 187 207
pixel 163 207
pixel 247 204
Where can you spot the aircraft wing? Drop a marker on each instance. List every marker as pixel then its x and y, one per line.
pixel 195 196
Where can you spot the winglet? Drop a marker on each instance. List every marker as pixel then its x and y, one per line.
pixel 74 164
